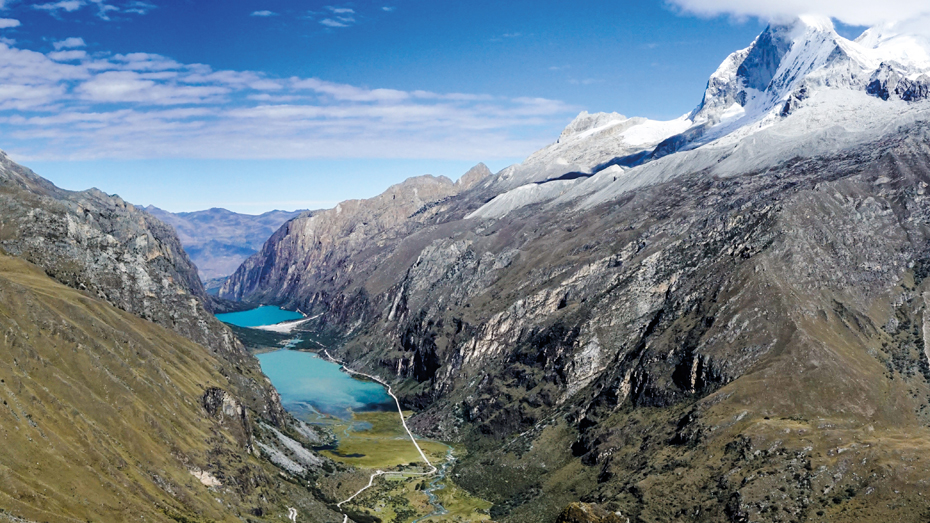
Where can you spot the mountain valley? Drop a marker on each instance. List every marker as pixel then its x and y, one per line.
pixel 721 317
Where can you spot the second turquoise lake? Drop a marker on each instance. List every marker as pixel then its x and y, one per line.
pixel 266 315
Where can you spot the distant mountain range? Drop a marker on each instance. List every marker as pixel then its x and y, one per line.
pixel 218 240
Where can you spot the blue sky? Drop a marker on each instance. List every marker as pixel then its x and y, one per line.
pixel 261 104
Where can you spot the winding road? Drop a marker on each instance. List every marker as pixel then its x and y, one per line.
pixel 371 481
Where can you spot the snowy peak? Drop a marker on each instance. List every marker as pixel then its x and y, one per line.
pixel 903 44
pixel 770 69
pixel 798 77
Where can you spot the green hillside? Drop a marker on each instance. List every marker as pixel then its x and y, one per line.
pixel 107 417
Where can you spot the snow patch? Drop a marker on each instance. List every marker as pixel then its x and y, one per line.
pixel 522 196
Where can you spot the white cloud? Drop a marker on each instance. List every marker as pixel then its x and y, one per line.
pixel 139 8
pixel 264 13
pixel 68 105
pixel 8 23
pixel 342 17
pixel 69 43
pixel 103 9
pixel 329 22
pixel 388 8
pixel 855 12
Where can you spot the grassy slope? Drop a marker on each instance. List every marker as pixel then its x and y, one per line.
pixel 101 415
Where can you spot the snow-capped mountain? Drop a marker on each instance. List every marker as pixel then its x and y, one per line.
pixel 674 319
pixel 799 88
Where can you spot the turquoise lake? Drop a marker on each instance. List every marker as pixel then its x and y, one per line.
pixel 267 315
pixel 309 384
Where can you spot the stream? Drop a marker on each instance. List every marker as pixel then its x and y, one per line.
pixel 434 485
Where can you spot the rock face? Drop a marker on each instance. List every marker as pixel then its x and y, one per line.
pixel 109 248
pixel 889 84
pixel 588 513
pixel 732 332
pixel 321 242
pixel 99 243
pixel 217 240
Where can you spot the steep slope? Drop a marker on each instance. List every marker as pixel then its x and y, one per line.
pixel 728 326
pixel 88 378
pixel 324 240
pixel 109 248
pixel 217 240
pixel 107 417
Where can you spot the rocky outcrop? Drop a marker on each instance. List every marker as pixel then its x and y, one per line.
pixel 589 513
pixel 323 243
pixel 889 84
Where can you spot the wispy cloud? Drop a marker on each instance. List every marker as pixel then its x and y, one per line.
pixel 264 13
pixel 103 9
pixel 583 81
pixel 388 8
pixel 67 56
pixel 139 8
pixel 65 5
pixel 341 17
pixel 329 22
pixel 8 23
pixel 69 104
pixel 851 12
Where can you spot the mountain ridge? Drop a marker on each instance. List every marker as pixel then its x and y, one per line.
pixel 102 310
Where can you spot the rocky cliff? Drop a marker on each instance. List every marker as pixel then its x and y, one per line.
pixel 323 242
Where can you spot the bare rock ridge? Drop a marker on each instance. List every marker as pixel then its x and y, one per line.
pixel 354 228
pixel 732 330
pixel 81 378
